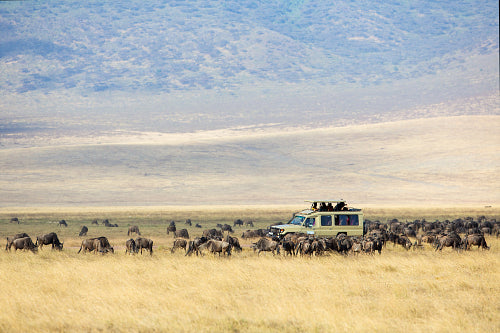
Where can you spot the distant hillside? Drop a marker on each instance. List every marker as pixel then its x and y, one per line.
pixel 180 59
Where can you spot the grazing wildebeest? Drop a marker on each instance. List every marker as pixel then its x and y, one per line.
pixel 183 233
pixel 235 243
pixel 144 243
pixel 227 227
pixel 130 246
pixel 249 234
pixel 179 243
pixel 188 222
pixel 99 244
pixel 404 241
pixel 198 225
pixel 288 247
pixel 265 244
pixel 193 246
pixel 238 222
pixel 95 222
pixel 132 229
pixel 10 239
pixel 24 244
pixel 450 240
pixel 212 233
pixel 84 231
pixel 14 220
pixel 47 239
pixel 216 246
pixel 63 223
pixel 478 240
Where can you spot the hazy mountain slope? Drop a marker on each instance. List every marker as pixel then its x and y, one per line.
pixel 199 64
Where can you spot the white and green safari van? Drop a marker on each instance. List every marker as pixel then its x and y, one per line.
pixel 324 218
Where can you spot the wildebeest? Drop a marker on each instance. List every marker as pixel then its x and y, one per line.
pixel 198 225
pixel 14 220
pixel 265 244
pixel 63 223
pixel 171 227
pixel 50 238
pixel 179 243
pixel 288 247
pixel 193 246
pixel 235 243
pixel 477 240
pixel 216 246
pixel 212 233
pixel 450 240
pixel 130 246
pixel 183 233
pixel 24 243
pixel 99 244
pixel 188 222
pixel 95 222
pixel 238 222
pixel 11 239
pixel 227 227
pixel 144 243
pixel 84 231
pixel 133 228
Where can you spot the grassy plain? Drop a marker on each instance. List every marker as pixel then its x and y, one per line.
pixel 396 291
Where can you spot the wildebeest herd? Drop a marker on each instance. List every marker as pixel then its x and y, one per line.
pixel 459 234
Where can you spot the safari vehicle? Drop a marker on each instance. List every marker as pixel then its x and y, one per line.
pixel 324 218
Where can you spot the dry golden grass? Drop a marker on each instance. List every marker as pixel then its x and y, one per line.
pixel 396 291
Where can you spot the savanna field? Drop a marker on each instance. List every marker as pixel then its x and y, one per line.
pixel 399 290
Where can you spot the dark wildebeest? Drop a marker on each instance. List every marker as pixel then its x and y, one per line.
pixel 288 247
pixel 179 243
pixel 130 247
pixel 265 244
pixel 188 222
pixel 450 240
pixel 95 222
pixel 99 244
pixel 216 246
pixel 212 233
pixel 227 227
pixel 132 229
pixel 249 234
pixel 14 220
pixel 478 240
pixel 193 246
pixel 144 243
pixel 171 228
pixel 63 223
pixel 183 233
pixel 235 243
pixel 10 239
pixel 238 222
pixel 198 225
pixel 24 244
pixel 47 239
pixel 84 231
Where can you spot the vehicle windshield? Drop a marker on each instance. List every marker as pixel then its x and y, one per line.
pixel 297 220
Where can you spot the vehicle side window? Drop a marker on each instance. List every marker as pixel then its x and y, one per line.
pixel 346 220
pixel 326 221
pixel 309 222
